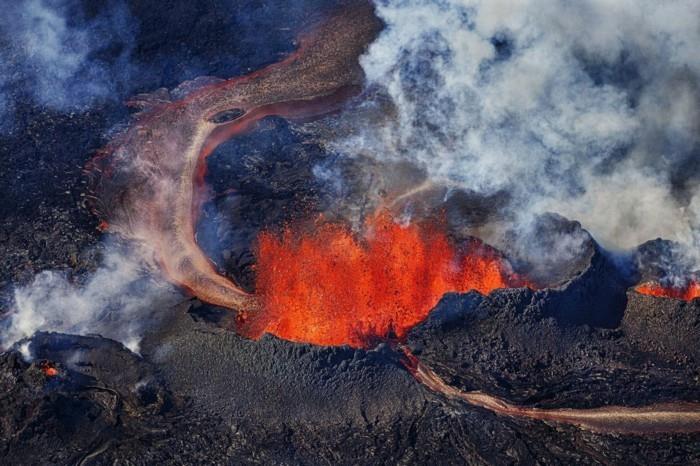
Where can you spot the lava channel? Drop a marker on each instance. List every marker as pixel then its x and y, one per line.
pixel 687 292
pixel 326 285
pixel 652 419
pixel 147 185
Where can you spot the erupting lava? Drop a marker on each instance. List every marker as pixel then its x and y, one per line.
pixel 687 292
pixel 328 286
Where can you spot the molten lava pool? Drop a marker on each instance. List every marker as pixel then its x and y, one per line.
pixel 687 292
pixel 330 286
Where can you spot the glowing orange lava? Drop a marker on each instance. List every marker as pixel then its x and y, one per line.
pixel 48 369
pixel 688 292
pixel 330 286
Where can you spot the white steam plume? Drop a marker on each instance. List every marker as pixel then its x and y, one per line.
pixel 119 301
pixel 586 108
pixel 66 59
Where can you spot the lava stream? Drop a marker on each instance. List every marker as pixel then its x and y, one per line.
pixel 327 286
pixel 688 292
pixel 657 418
pixel 147 185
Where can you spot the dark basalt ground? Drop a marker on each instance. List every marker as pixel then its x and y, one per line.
pixel 200 394
pixel 590 341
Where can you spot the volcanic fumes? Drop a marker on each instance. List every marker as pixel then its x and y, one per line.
pixel 327 285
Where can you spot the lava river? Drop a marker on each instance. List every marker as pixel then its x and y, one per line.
pixel 687 292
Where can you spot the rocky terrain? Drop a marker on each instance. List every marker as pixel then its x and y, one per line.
pixel 198 393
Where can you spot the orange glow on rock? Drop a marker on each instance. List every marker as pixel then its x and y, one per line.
pixel 688 292
pixel 329 286
pixel 49 370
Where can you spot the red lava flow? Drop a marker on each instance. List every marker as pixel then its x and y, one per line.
pixel 326 285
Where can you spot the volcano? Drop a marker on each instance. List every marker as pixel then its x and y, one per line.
pixel 212 280
pixel 369 286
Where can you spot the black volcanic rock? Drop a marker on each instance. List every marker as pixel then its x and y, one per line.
pixel 581 282
pixel 101 393
pixel 291 403
pixel 293 395
pixel 666 327
pixel 508 345
pixel 43 220
pixel 596 297
pixel 213 397
pixel 586 342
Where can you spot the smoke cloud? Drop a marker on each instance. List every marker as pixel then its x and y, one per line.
pixel 588 109
pixel 64 58
pixel 118 300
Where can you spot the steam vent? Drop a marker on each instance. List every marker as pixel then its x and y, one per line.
pixel 349 232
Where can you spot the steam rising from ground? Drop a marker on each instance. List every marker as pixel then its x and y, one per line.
pixel 588 109
pixel 64 57
pixel 119 300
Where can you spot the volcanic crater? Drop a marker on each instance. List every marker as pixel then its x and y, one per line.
pixel 375 336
